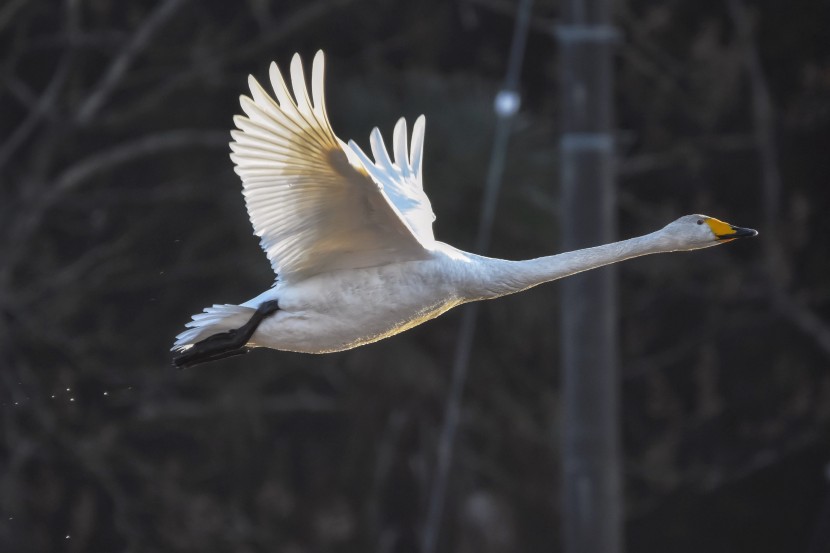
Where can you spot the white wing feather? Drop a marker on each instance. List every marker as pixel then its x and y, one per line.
pixel 316 203
pixel 401 179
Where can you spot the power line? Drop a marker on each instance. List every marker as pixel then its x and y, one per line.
pixel 506 105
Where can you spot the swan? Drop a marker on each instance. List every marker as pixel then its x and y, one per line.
pixel 350 238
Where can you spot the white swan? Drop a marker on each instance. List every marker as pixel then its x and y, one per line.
pixel 351 239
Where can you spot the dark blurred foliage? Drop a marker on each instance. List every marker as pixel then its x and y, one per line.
pixel 120 216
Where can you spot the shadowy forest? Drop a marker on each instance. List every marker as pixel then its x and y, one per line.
pixel 120 216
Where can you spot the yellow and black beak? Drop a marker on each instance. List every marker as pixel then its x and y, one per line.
pixel 725 231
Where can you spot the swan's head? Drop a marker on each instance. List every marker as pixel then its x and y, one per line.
pixel 692 232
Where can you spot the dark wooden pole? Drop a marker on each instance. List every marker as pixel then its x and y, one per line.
pixel 592 497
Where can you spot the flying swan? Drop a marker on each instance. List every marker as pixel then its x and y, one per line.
pixel 351 241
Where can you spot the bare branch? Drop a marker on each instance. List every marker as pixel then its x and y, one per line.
pixel 143 147
pixel 21 92
pixel 764 121
pixel 291 23
pixel 7 13
pixel 98 163
pixel 763 114
pixel 297 20
pixel 44 106
pixel 505 8
pixel 805 319
pixel 122 62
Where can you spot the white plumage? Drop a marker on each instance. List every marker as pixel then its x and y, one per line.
pixel 351 239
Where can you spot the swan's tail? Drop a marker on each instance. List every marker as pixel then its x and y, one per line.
pixel 213 320
pixel 219 332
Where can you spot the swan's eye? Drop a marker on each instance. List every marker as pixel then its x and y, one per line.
pixel 700 221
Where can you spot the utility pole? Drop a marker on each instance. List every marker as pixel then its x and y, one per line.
pixel 592 496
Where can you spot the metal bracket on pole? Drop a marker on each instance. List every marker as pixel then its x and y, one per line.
pixel 582 141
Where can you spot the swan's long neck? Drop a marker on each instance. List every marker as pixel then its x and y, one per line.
pixel 492 278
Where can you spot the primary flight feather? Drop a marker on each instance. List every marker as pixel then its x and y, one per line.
pixel 350 238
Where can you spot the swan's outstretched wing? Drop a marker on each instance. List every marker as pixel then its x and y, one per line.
pixel 316 203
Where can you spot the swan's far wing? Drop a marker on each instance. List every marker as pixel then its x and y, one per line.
pixel 311 202
pixel 401 179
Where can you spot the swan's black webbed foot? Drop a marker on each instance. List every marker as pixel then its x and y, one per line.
pixel 225 344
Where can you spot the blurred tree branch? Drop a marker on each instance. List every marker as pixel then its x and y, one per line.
pixel 45 106
pixel 96 98
pixel 145 146
pixel 776 264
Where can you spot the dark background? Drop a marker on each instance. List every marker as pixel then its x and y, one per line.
pixel 120 216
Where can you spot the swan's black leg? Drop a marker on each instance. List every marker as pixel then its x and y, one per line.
pixel 225 344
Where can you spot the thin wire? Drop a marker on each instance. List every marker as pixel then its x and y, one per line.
pixel 507 103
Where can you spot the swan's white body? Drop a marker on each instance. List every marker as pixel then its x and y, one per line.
pixel 351 240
